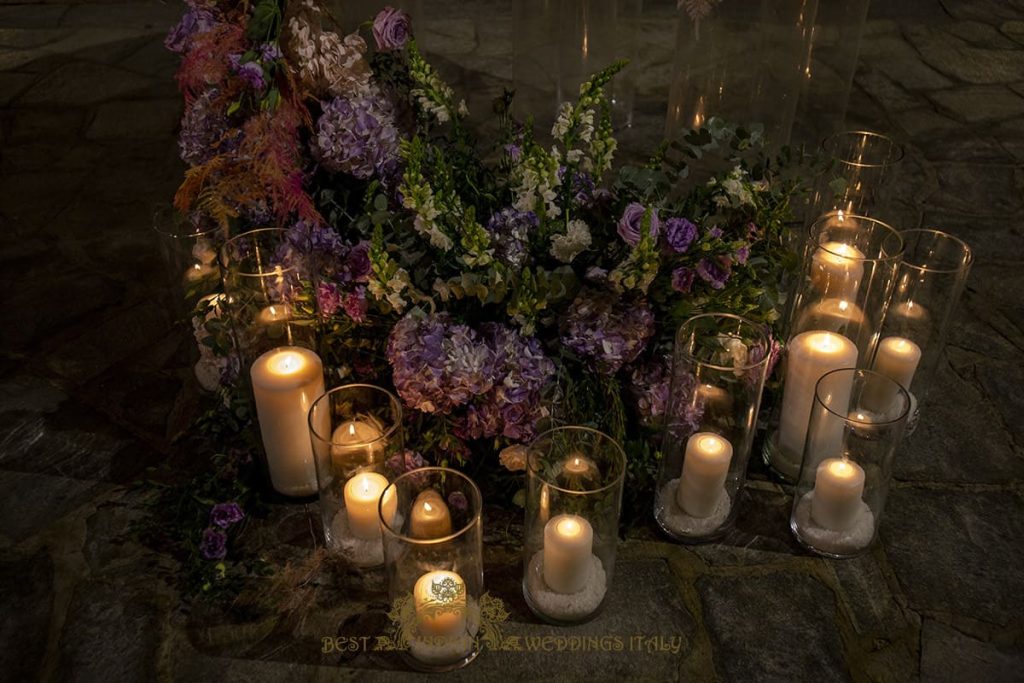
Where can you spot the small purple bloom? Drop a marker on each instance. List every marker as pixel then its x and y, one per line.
pixel 226 514
pixel 405 461
pixel 680 234
pixel 510 234
pixel 355 304
pixel 269 52
pixel 631 221
pixel 715 273
pixel 193 22
pixel 457 501
pixel 214 545
pixel 514 152
pixel 391 29
pixel 682 279
pixel 715 232
pixel 753 231
pixel 607 330
pixel 742 254
pixel 328 299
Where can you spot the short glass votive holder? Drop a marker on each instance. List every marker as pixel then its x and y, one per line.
pixel 848 273
pixel 433 556
pixel 574 480
pixel 355 429
pixel 929 284
pixel 718 374
pixel 268 292
pixel 847 466
pixel 189 250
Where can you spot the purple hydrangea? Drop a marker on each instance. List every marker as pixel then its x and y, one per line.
pixel 583 188
pixel 391 29
pixel 682 279
pixel 632 220
pixel 679 234
pixel 607 330
pixel 357 136
pixel 214 544
pixel 226 514
pixel 355 304
pixel 250 72
pixel 649 384
pixel 510 233
pixel 203 129
pixel 715 272
pixel 192 23
pixel 405 461
pixel 685 409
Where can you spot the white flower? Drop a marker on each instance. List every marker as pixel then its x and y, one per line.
pixel 514 458
pixel 568 246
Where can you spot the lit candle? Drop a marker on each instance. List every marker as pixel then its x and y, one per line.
pixel 714 399
pixel 568 540
pixel 285 382
pixel 833 315
pixel 362 493
pixel 897 358
pixel 836 269
pixel 440 601
pixel 838 487
pixel 356 440
pixel 430 517
pixel 908 312
pixel 705 468
pixel 198 272
pixel 810 355
pixel 579 465
pixel 276 313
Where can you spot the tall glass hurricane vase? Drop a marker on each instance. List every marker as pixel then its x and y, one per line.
pixel 718 373
pixel 848 272
pixel 573 499
pixel 859 179
pixel 929 284
pixel 189 251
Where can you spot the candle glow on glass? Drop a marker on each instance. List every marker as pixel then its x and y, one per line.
pixel 275 313
pixel 836 269
pixel 362 494
pixel 430 517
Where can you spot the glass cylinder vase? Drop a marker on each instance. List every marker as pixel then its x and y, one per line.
pixel 848 272
pixel 929 284
pixel 847 462
pixel 433 554
pixel 574 486
pixel 355 429
pixel 718 373
pixel 189 250
pixel 859 178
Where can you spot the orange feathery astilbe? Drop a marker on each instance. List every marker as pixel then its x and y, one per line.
pixel 207 62
pixel 267 166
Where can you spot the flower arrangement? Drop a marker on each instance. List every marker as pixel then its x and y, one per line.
pixel 497 285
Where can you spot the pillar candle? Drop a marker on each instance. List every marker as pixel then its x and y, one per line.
pixel 836 269
pixel 705 468
pixel 908 312
pixel 810 355
pixel 440 601
pixel 198 272
pixel 568 541
pixel 363 492
pixel 285 382
pixel 357 441
pixel 276 313
pixel 897 359
pixel 714 399
pixel 833 315
pixel 838 487
pixel 429 517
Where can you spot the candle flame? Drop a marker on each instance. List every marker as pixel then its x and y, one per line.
pixel 351 428
pixel 843 305
pixel 569 527
pixel 841 468
pixel 427 507
pixel 711 444
pixel 287 363
pixel 827 342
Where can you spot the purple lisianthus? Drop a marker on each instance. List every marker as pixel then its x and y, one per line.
pixel 632 220
pixel 359 261
pixel 682 279
pixel 715 272
pixel 753 231
pixel 391 29
pixel 679 234
pixel 357 136
pixel 758 351
pixel 510 233
pixel 214 544
pixel 607 330
pixel 226 514
pixel 192 23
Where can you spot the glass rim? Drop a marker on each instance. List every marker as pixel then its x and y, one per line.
pixel 475 521
pixel 328 394
pixel 893 232
pixel 578 428
pixel 900 152
pixel 759 329
pixel 249 233
pixel 968 253
pixel 863 372
pixel 159 209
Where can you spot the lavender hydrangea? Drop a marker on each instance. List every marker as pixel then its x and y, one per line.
pixel 357 135
pixel 203 128
pixel 649 384
pixel 510 232
pixel 250 72
pixel 404 461
pixel 424 376
pixel 632 219
pixel 679 234
pixel 226 514
pixel 192 23
pixel 214 544
pixel 607 330
pixel 715 272
pixel 391 29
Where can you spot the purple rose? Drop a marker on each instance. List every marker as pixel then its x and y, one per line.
pixel 391 29
pixel 214 545
pixel 226 514
pixel 714 272
pixel 682 279
pixel 680 234
pixel 631 221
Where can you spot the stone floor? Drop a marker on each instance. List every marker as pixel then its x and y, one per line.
pixel 92 376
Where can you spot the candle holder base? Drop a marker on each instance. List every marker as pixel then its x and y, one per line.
pixel 783 465
pixel 437 654
pixel 828 542
pixel 564 608
pixel 685 528
pixel 364 553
